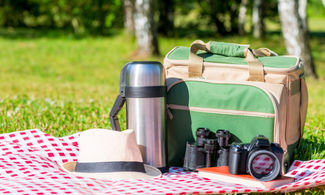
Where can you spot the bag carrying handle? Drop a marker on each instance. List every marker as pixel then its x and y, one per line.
pixel 255 67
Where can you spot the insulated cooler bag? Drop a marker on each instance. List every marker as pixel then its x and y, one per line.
pixel 230 86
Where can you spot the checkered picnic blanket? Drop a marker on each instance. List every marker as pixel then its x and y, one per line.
pixel 30 164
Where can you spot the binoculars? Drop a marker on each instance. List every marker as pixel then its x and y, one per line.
pixel 209 150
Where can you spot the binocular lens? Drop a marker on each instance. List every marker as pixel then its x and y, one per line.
pixel 263 165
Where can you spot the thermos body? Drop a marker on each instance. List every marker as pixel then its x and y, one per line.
pixel 146 111
pixel 143 88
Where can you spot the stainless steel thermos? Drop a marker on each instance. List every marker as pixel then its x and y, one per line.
pixel 143 88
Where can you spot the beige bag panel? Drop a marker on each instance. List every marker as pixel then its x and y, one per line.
pixel 280 94
pixel 293 119
pixel 296 106
pixel 221 72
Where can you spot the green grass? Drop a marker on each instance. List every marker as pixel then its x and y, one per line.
pixel 63 84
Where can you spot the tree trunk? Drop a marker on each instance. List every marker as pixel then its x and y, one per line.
pixel 302 7
pixel 102 12
pixel 220 25
pixel 258 19
pixel 307 56
pixel 144 28
pixel 166 17
pixel 234 11
pixel 128 16
pixel 295 37
pixel 323 2
pixel 242 17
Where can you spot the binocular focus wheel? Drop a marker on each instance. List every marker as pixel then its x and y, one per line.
pixel 264 177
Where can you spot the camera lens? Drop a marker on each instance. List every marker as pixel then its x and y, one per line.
pixel 263 165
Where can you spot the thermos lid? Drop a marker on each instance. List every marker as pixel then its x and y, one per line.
pixel 143 79
pixel 149 73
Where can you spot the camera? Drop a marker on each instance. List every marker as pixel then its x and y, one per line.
pixel 209 150
pixel 261 159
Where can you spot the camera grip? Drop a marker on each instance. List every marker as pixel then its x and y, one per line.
pixel 234 160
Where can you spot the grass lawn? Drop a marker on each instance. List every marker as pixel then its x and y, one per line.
pixel 62 84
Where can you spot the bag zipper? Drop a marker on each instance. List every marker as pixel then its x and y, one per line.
pixel 221 111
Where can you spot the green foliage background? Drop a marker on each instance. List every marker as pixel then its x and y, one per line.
pixel 100 16
pixel 79 16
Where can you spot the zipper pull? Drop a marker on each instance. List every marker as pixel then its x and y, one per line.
pixel 169 113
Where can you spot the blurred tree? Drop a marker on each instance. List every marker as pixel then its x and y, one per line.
pixel 12 12
pixel 97 16
pixel 144 28
pixel 128 16
pixel 270 11
pixel 308 58
pixel 222 14
pixel 234 11
pixel 302 7
pixel 216 12
pixel 242 16
pixel 166 17
pixel 102 12
pixel 295 36
pixel 258 19
pixel 79 15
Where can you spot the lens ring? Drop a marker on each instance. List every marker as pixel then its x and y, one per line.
pixel 264 177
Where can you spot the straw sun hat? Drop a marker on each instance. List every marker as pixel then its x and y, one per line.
pixel 108 154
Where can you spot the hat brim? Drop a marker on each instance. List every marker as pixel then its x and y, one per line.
pixel 151 172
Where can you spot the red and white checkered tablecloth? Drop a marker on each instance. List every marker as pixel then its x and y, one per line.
pixel 30 164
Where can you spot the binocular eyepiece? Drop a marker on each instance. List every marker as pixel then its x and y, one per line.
pixel 222 137
pixel 202 134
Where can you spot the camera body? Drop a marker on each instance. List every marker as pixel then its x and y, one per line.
pixel 261 159
pixel 209 150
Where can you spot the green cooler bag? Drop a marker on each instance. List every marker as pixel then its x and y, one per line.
pixel 235 96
